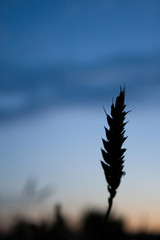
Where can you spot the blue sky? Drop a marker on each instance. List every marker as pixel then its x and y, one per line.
pixel 47 31
pixel 60 63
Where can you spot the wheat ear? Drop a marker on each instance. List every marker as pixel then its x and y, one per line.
pixel 113 154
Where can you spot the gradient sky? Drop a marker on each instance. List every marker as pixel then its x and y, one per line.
pixel 60 63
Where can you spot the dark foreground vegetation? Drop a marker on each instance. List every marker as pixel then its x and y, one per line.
pixel 58 229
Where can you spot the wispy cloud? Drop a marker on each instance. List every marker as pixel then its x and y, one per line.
pixel 27 91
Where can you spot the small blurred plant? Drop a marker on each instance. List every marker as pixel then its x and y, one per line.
pixel 113 153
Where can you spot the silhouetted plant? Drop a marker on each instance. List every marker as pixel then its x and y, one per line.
pixel 113 154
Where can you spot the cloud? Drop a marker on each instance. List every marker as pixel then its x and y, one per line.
pixel 29 91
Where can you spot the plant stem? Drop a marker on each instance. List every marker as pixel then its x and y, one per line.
pixel 110 201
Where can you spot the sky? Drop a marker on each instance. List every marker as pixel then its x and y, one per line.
pixel 60 63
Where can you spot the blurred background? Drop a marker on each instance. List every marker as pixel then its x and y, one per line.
pixel 60 63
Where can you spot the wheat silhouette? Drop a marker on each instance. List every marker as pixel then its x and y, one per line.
pixel 113 153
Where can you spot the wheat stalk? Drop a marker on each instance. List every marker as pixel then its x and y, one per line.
pixel 113 153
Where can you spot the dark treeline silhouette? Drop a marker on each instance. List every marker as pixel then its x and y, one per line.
pixel 58 229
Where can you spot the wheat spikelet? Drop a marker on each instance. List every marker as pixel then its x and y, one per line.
pixel 113 153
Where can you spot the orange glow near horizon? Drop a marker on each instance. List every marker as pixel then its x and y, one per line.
pixel 134 222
